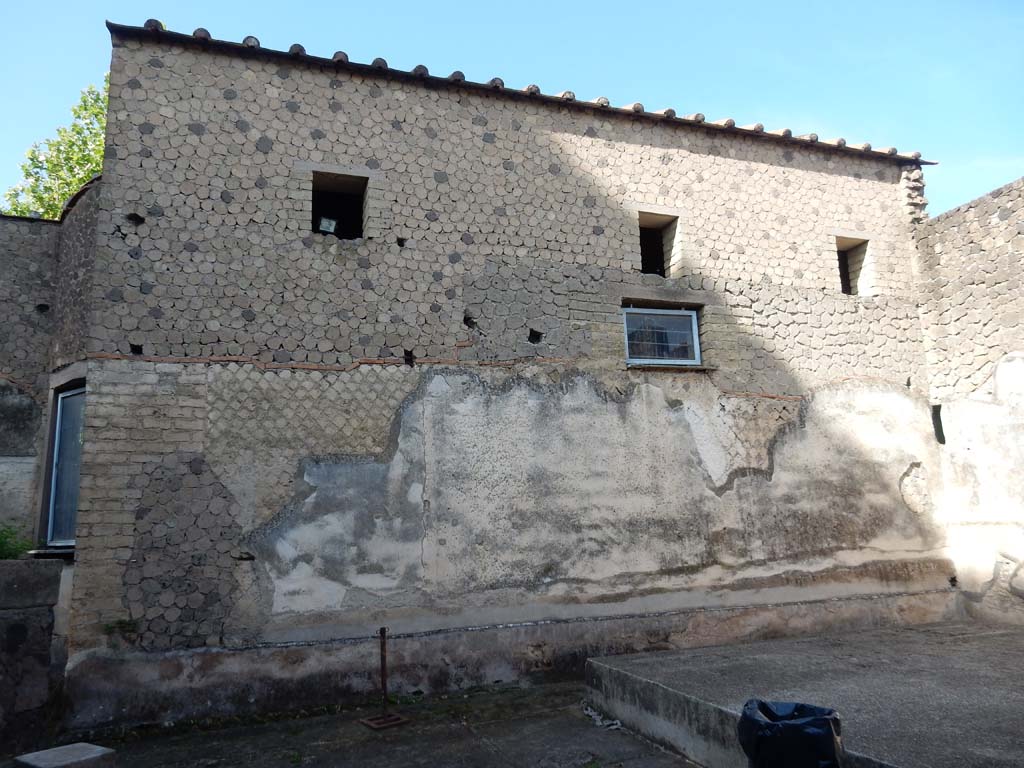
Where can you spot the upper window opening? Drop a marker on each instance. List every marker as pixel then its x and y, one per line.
pixel 661 337
pixel 338 202
pixel 657 234
pixel 852 261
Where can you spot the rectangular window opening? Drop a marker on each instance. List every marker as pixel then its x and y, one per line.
pixel 667 337
pixel 65 464
pixel 338 203
pixel 852 254
pixel 657 236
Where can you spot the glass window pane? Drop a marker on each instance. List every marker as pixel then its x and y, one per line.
pixel 660 337
pixel 67 461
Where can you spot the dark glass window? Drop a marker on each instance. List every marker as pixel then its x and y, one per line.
pixel 65 466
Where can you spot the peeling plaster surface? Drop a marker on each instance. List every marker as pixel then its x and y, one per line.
pixel 983 501
pixel 972 304
pixel 553 500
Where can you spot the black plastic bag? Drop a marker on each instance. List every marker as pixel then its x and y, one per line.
pixel 785 734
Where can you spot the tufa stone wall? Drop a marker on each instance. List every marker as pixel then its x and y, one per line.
pixel 31 665
pixel 27 254
pixel 138 416
pixel 28 251
pixel 513 214
pixel 73 281
pixel 973 289
pixel 262 469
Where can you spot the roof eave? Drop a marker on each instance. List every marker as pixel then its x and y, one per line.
pixel 200 39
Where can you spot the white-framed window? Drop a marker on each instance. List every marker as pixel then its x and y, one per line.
pixel 661 336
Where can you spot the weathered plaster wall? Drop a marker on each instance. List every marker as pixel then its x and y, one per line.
pixel 491 506
pixel 28 250
pixel 974 322
pixel 481 496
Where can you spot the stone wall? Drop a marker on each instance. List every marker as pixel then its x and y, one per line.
pixel 73 281
pixel 291 439
pixel 522 213
pixel 973 290
pixel 30 666
pixel 973 314
pixel 27 255
pixel 237 508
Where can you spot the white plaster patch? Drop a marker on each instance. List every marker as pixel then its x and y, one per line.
pixel 415 494
pixel 285 550
pixel 301 591
pixel 438 386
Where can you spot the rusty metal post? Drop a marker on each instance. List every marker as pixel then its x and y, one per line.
pixel 385 719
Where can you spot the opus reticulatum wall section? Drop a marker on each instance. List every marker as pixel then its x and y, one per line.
pixel 27 255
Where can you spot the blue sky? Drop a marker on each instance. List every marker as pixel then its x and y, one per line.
pixel 940 76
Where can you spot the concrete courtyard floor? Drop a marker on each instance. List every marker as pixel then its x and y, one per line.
pixel 543 726
pixel 933 696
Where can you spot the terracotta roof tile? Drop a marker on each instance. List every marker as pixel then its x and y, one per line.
pixel 250 46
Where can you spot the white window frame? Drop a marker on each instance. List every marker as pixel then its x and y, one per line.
pixel 665 362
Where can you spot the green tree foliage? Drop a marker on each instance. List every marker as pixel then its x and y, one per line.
pixel 56 168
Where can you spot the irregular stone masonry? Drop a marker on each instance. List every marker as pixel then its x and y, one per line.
pixel 27 297
pixel 27 254
pixel 972 281
pixel 74 278
pixel 186 530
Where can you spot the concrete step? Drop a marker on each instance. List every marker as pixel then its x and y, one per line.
pixel 934 696
pixel 704 732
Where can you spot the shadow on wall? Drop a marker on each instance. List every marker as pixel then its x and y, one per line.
pixel 595 492
pixel 577 489
pixel 20 417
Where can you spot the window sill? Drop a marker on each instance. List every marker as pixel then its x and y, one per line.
pixel 52 553
pixel 670 368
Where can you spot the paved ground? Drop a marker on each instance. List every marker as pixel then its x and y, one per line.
pixel 543 727
pixel 939 696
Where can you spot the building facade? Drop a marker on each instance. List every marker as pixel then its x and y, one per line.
pixel 521 377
